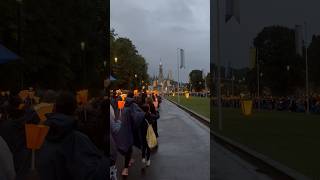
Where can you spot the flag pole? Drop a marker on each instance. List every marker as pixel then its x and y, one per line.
pixel 258 78
pixel 178 75
pixel 217 58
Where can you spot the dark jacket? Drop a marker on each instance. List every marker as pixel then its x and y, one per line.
pixel 131 118
pixel 149 120
pixel 114 129
pixel 13 132
pixel 6 162
pixel 69 154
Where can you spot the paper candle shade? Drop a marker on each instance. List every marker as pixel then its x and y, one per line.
pixel 42 109
pixel 36 99
pixel 123 96
pixel 82 96
pixel 31 94
pixel 246 107
pixel 35 135
pixel 21 106
pixel 121 104
pixel 23 94
pixel 135 92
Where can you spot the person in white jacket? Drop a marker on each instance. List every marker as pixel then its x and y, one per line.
pixel 7 171
pixel 115 126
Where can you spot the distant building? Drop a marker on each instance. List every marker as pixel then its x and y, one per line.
pixel 163 85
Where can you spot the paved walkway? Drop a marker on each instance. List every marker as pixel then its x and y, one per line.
pixel 228 166
pixel 184 153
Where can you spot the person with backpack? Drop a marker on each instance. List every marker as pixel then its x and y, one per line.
pixel 131 117
pixel 149 119
pixel 153 111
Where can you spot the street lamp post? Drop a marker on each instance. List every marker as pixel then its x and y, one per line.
pixel 259 74
pixel 216 36
pixel 83 47
pixel 136 81
pixel 115 66
pixel 307 69
pixel 178 64
pixel 232 86
pixel 19 37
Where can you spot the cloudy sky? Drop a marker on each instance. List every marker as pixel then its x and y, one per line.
pixel 159 27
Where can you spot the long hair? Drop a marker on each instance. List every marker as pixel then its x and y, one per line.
pixel 149 100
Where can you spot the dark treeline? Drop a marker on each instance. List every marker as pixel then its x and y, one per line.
pixel 62 43
pixel 282 71
pixel 127 66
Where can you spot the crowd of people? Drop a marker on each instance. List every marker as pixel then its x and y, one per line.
pixel 129 125
pixel 292 104
pixel 79 144
pixel 74 148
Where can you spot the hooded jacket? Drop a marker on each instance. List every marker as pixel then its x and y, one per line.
pixel 13 132
pixel 6 162
pixel 131 118
pixel 69 154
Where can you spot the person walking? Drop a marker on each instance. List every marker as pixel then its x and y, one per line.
pixel 7 171
pixel 153 111
pixel 66 152
pixel 149 119
pixel 12 130
pixel 131 118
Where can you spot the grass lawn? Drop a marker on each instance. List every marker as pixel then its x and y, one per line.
pixel 197 104
pixel 292 139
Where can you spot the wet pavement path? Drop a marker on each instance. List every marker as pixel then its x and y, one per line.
pixel 183 152
pixel 229 166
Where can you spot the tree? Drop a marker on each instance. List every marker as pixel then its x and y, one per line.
pixel 196 80
pixel 131 68
pixel 276 51
pixel 209 80
pixel 51 35
pixel 314 63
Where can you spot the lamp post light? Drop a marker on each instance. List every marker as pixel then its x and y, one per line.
pixel 19 37
pixel 232 86
pixel 83 47
pixel 115 59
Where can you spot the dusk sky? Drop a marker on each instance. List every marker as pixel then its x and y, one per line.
pixel 159 27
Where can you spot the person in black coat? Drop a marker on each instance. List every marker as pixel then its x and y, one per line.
pixel 153 111
pixel 66 152
pixel 149 119
pixel 129 133
pixel 12 131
